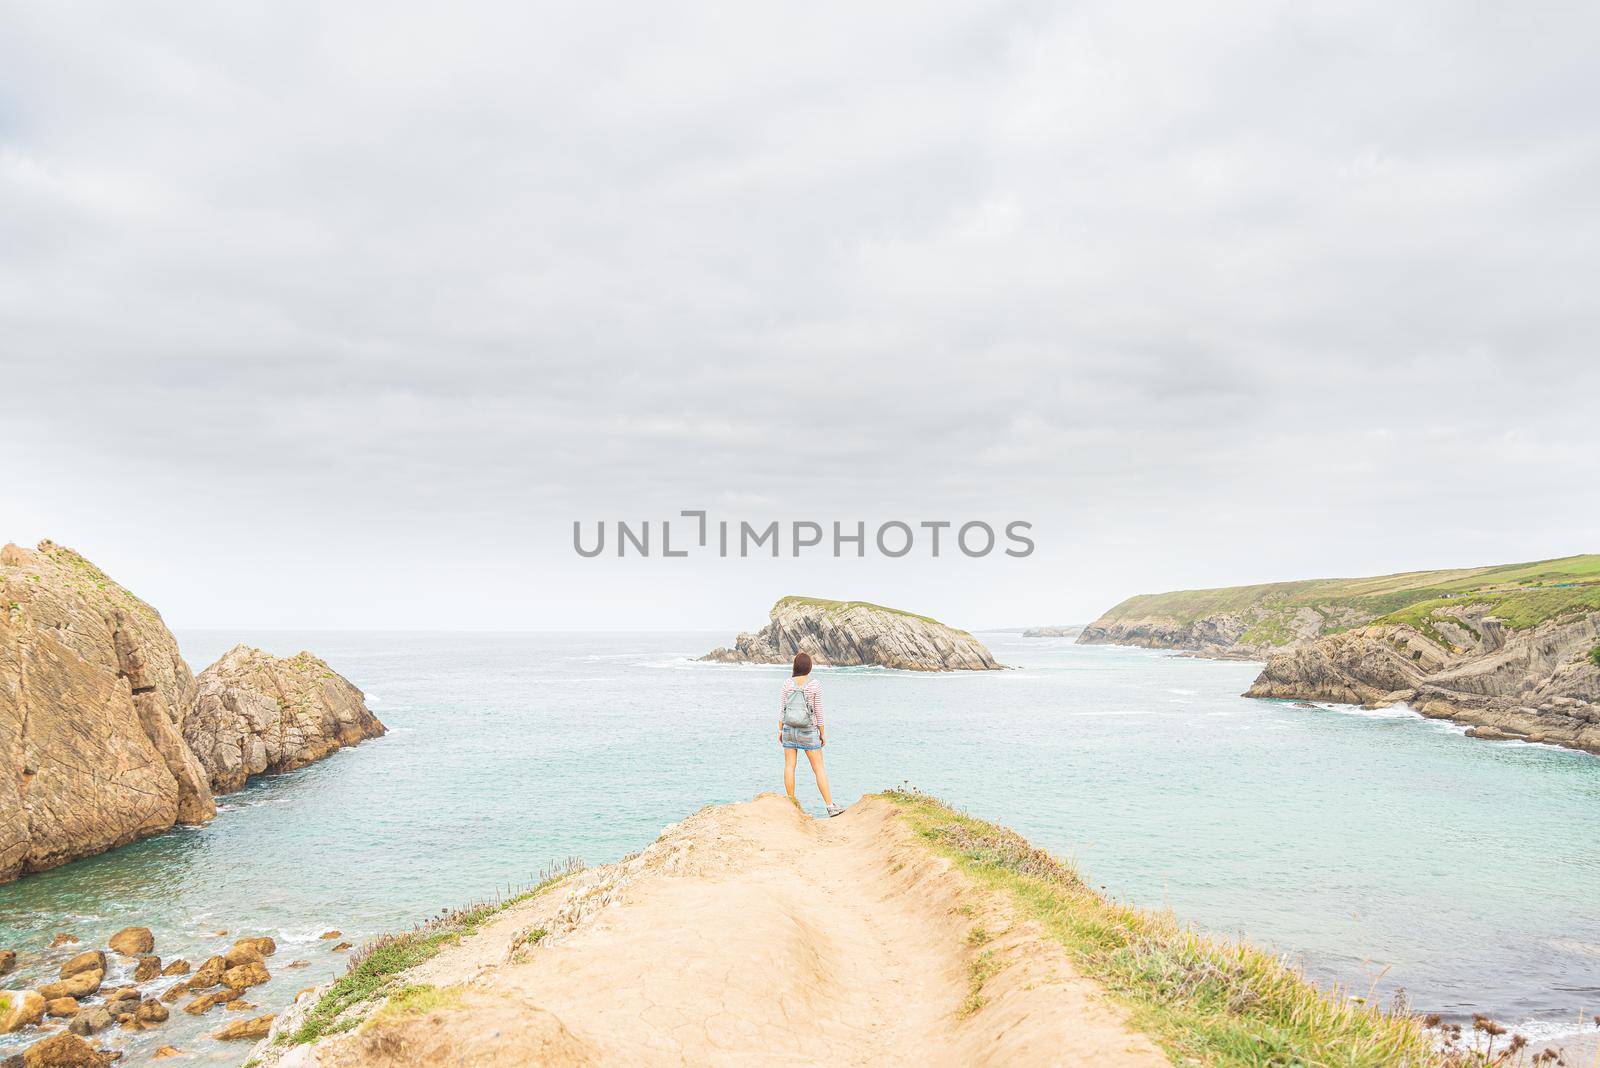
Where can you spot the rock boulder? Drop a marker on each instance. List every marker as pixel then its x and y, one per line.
pixel 19 1009
pixel 133 941
pixel 64 1051
pixel 78 985
pixel 255 1028
pixel 92 961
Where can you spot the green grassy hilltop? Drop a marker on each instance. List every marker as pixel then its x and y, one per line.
pixel 1521 595
pixel 827 605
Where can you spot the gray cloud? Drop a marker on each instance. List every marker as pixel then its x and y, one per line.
pixel 380 298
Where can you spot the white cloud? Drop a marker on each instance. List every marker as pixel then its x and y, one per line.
pixel 1211 294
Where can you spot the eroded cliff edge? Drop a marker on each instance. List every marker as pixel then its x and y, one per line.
pixel 105 737
pixel 1513 651
pixel 92 689
pixel 848 633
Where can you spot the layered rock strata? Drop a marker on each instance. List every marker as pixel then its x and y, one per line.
pixel 92 692
pixel 1537 685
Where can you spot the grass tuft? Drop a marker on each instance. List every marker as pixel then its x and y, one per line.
pixel 978 972
pixel 419 999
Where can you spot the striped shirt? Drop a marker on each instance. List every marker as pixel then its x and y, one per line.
pixel 813 694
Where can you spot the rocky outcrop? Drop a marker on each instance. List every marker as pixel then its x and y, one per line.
pixel 1052 632
pixel 1224 635
pixel 847 633
pixel 92 692
pixel 255 714
pixel 1512 650
pixel 106 736
pixel 1540 684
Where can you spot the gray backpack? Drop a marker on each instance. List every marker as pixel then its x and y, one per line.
pixel 797 715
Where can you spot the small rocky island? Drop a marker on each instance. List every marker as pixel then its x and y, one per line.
pixel 258 714
pixel 105 736
pixel 1065 631
pixel 851 633
pixel 1513 651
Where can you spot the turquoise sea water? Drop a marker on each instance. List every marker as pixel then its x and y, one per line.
pixel 1379 849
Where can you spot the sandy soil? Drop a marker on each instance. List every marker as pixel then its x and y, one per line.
pixel 751 933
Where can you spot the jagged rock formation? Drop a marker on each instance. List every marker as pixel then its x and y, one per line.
pixel 1538 685
pixel 1512 650
pixel 92 690
pixel 846 633
pixel 100 716
pixel 255 713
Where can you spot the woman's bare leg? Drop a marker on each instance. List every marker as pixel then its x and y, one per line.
pixel 815 756
pixel 789 762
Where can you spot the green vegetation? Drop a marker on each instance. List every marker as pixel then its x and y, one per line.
pixel 982 967
pixel 1520 595
pixel 375 967
pixel 86 577
pixel 419 999
pixel 1268 630
pixel 1594 656
pixel 1204 1000
pixel 524 940
pixel 839 606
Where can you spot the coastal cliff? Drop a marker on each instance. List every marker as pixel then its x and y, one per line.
pixel 1236 623
pixel 847 633
pixel 1538 685
pixel 92 690
pixel 901 932
pixel 105 736
pixel 1512 651
pixel 256 714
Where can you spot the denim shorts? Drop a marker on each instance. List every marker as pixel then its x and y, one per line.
pixel 801 737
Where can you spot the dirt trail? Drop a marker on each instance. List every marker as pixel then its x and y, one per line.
pixel 751 933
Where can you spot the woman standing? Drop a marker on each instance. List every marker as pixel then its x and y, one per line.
pixel 800 727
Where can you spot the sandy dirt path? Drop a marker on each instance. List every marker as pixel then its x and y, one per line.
pixel 748 934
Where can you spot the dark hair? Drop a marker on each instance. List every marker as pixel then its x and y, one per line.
pixel 802 664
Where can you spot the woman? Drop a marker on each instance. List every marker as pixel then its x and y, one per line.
pixel 800 727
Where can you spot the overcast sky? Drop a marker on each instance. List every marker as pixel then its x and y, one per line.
pixel 340 315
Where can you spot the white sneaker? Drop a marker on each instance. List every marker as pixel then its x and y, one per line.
pixel 834 810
